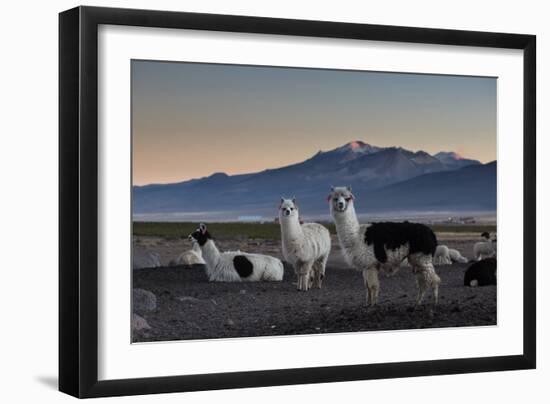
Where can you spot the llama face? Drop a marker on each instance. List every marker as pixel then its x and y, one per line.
pixel 201 235
pixel 288 208
pixel 340 198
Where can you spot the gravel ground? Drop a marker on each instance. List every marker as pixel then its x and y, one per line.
pixel 190 307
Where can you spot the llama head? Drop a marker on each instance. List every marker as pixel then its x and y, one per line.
pixel 340 198
pixel 288 208
pixel 201 235
pixel 485 235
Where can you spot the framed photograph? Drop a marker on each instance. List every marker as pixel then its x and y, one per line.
pixel 250 201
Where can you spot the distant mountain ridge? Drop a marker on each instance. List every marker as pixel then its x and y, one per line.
pixel 454 159
pixel 366 167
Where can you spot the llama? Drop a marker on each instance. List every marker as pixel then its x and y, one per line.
pixel 485 249
pixel 442 255
pixel 189 257
pixel 306 246
pixel 456 256
pixel 383 246
pixel 481 273
pixel 235 266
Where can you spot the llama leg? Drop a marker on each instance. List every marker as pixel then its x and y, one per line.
pixel 303 270
pixel 316 275
pixel 367 296
pixel 376 286
pixel 319 272
pixel 421 284
pixel 373 285
pixel 435 280
pixel 426 277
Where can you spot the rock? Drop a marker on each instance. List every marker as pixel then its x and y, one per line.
pixel 143 301
pixel 139 323
pixel 145 259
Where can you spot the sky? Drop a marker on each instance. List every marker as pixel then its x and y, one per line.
pixel 190 120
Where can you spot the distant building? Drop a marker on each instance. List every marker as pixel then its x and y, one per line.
pixel 259 219
pixel 460 220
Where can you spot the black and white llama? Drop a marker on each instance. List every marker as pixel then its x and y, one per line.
pixel 485 249
pixel 235 266
pixel 383 246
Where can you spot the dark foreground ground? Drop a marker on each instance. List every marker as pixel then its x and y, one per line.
pixel 190 307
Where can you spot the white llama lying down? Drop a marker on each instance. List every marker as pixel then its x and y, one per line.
pixel 235 266
pixel 189 257
pixel 446 256
pixel 485 249
pixel 306 246
pixel 456 256
pixel 383 246
pixel 442 255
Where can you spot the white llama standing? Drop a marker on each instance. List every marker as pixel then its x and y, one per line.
pixel 306 246
pixel 235 266
pixel 383 246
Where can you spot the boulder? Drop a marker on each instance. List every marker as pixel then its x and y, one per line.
pixel 139 323
pixel 143 301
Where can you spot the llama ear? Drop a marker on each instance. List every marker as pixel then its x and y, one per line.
pixel 294 200
pixel 332 188
pixel 349 188
pixel 202 228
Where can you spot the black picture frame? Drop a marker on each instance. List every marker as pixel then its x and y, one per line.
pixel 78 200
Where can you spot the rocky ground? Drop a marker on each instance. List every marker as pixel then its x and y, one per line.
pixel 187 306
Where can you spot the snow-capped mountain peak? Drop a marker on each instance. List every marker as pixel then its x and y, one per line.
pixel 359 147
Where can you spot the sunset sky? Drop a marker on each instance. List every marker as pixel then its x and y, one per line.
pixel 190 120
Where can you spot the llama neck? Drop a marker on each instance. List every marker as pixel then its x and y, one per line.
pixel 347 225
pixel 211 255
pixel 196 248
pixel 290 228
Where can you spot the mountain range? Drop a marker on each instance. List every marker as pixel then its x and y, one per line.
pixel 383 179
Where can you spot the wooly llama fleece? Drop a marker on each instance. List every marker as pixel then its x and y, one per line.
pixel 442 255
pixel 383 246
pixel 456 256
pixel 481 273
pixel 189 257
pixel 306 246
pixel 235 266
pixel 485 249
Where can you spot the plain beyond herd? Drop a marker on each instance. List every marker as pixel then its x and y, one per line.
pixel 371 249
